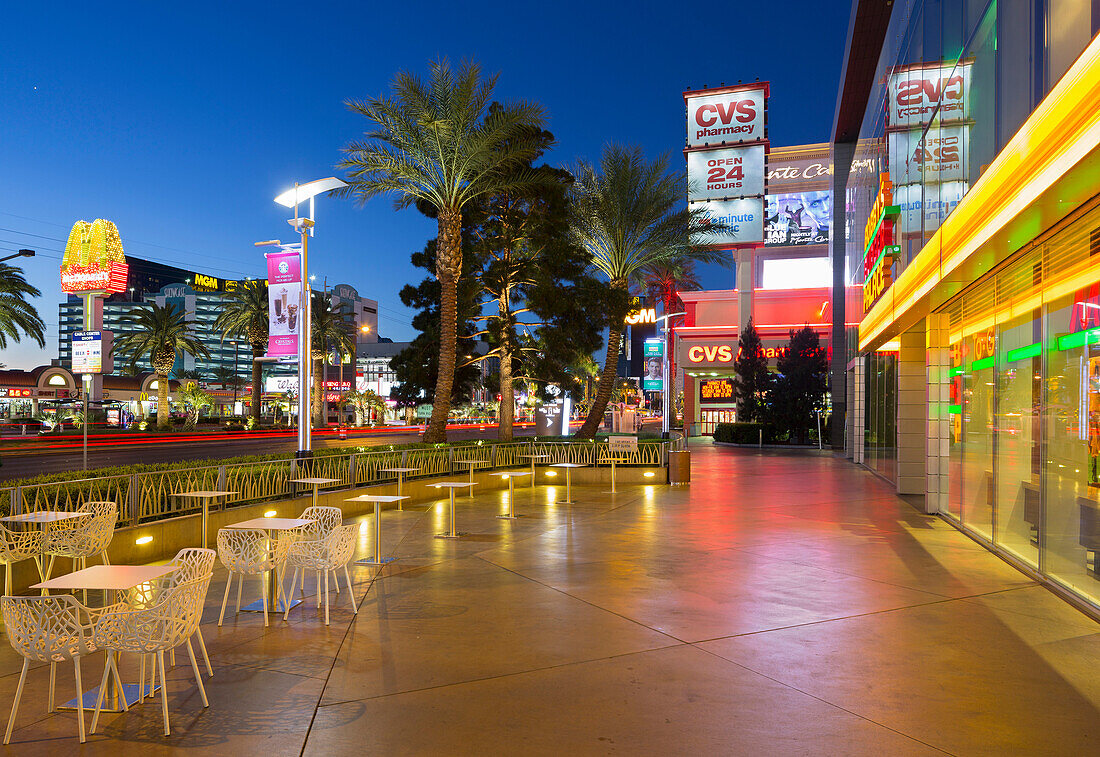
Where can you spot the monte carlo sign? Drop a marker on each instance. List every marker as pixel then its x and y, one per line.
pixel 93 259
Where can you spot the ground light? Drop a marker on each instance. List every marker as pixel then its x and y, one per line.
pixel 144 540
pixel 270 514
pixel 649 474
pixel 551 473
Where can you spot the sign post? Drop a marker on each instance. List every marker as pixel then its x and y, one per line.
pixel 87 361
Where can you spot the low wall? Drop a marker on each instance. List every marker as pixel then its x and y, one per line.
pixel 173 534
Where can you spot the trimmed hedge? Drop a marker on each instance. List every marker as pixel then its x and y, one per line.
pixel 743 433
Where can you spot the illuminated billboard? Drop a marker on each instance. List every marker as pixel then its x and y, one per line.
pixel 798 219
pixel 725 172
pixel 743 219
pixel 93 260
pixel 726 115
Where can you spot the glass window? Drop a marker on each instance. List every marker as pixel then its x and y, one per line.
pixel 1069 30
pixel 1071 418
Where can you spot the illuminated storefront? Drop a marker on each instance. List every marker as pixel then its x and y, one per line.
pixel 707 343
pixel 970 170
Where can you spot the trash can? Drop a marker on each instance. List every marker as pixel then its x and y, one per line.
pixel 679 467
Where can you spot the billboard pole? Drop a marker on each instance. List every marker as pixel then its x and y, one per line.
pixel 666 400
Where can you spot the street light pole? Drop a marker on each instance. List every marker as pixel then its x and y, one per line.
pixel 236 377
pixel 667 383
pixel 304 226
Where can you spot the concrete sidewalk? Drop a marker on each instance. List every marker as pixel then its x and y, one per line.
pixel 781 604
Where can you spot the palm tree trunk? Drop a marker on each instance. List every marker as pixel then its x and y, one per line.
pixel 448 268
pixel 607 384
pixel 257 378
pixel 162 401
pixel 507 396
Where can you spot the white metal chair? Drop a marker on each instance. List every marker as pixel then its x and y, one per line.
pixel 154 630
pixel 87 537
pixel 16 546
pixel 190 563
pixel 51 629
pixel 324 556
pixel 246 552
pixel 325 521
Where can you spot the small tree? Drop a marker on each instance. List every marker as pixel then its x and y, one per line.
pixel 193 400
pixel 363 402
pixel 752 378
pixel 799 391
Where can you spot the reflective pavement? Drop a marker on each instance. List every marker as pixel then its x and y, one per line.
pixel 781 604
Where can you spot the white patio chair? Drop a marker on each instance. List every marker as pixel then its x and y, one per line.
pixel 51 629
pixel 246 552
pixel 87 537
pixel 325 520
pixel 190 563
pixel 324 556
pixel 154 630
pixel 16 546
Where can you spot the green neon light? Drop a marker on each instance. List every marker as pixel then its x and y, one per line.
pixel 981 365
pixel 957 371
pixel 1079 339
pixel 888 212
pixel 1032 350
pixel 893 249
pixel 955 409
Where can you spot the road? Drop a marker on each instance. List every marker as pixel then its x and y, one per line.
pixel 33 457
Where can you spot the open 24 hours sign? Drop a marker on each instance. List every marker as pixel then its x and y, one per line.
pixel 725 172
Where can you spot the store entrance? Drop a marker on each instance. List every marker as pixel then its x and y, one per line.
pixel 711 417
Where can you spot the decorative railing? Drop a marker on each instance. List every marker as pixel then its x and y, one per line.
pixel 144 497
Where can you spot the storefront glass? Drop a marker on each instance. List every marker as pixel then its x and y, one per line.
pixel 1024 468
pixel 880 418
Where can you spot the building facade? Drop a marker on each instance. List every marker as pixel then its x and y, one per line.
pixel 967 154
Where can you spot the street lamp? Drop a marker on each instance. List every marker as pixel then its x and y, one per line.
pixel 664 371
pixel 20 254
pixel 304 226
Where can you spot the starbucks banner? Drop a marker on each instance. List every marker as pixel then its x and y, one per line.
pixel 284 288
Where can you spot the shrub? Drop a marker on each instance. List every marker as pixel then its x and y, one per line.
pixel 741 433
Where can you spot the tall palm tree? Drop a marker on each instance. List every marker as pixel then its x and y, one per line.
pixel 665 281
pixel 160 334
pixel 330 330
pixel 244 314
pixel 629 214
pixel 438 144
pixel 16 314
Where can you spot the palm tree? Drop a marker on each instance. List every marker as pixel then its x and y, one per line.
pixel 363 402
pixel 16 314
pixel 628 215
pixel 438 144
pixel 194 400
pixel 665 281
pixel 161 333
pixel 330 330
pixel 244 314
pixel 226 377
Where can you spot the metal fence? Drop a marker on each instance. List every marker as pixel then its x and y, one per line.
pixel 143 497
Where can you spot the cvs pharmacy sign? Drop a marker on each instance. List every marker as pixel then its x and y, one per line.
pixel 914 93
pixel 728 114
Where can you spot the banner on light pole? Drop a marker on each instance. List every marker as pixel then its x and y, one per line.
pixel 284 291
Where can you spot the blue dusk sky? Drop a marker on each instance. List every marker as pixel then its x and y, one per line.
pixel 180 123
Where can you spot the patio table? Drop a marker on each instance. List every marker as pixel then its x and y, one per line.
pixel 377 499
pixel 269 525
pixel 533 458
pixel 400 478
pixel 44 518
pixel 107 578
pixel 450 486
pixel 205 496
pixel 510 477
pixel 472 464
pixel 316 483
pixel 569 484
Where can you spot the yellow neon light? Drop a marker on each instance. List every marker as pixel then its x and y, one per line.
pixel 1062 131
